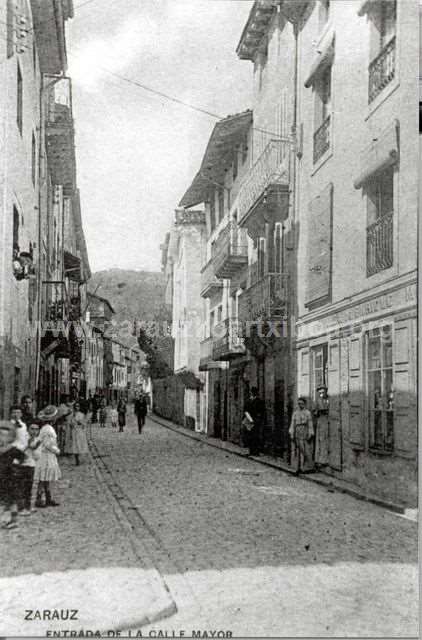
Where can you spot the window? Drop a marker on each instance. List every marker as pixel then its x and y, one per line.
pixel 34 159
pixel 220 204
pixel 19 100
pixel 16 217
pixel 382 46
pixel 244 151
pixel 319 368
pixel 261 257
pixel 278 251
pixel 322 114
pixel 379 350
pixel 212 211
pixel 380 208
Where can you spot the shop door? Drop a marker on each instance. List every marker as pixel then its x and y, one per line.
pixel 335 436
pixel 217 410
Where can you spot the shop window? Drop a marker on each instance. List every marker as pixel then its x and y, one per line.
pixel 322 119
pixel 379 359
pixel 379 232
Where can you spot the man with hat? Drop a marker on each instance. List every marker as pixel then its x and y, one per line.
pixel 321 417
pixel 301 431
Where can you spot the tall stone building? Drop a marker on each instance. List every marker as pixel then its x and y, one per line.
pixel 43 258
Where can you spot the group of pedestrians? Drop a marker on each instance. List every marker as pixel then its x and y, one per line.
pixel 304 437
pixel 29 448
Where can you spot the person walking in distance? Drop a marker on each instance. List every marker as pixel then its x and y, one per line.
pixel 301 430
pixel 121 412
pixel 141 410
pixel 253 420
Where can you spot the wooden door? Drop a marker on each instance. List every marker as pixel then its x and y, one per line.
pixel 335 436
pixel 217 410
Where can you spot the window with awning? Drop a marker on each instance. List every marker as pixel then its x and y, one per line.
pixel 382 153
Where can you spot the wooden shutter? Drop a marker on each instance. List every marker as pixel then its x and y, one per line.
pixel 405 422
pixel 10 19
pixel 356 417
pixel 334 395
pixel 319 240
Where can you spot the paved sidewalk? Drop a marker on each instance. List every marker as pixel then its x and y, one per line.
pixel 81 556
pixel 330 482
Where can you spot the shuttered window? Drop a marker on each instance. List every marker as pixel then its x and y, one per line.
pixel 319 246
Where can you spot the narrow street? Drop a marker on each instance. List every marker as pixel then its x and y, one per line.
pixel 241 547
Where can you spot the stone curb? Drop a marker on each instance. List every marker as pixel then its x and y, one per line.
pixel 324 481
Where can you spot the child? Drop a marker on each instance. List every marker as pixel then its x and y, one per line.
pixel 21 443
pixel 47 469
pixel 8 454
pixel 32 455
pixel 113 415
pixel 103 413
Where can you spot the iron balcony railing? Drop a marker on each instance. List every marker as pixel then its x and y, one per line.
pixel 271 167
pixel 228 340
pixel 322 139
pixel 265 298
pixel 55 305
pixel 382 70
pixel 379 245
pixel 231 243
pixel 209 281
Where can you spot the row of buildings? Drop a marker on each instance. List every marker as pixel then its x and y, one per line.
pixel 49 343
pixel 291 262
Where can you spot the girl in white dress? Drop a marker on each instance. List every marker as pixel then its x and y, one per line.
pixel 47 468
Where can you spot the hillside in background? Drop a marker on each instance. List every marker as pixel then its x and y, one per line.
pixel 133 294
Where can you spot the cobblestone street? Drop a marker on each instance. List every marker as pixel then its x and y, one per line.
pixel 252 550
pixel 241 547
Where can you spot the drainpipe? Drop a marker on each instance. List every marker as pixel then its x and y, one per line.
pixel 41 180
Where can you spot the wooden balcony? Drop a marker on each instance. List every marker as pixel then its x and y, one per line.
pixel 382 70
pixel 230 252
pixel 228 340
pixel 379 245
pixel 264 194
pixel 60 135
pixel 265 298
pixel 210 284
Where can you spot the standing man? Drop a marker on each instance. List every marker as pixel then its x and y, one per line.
pixel 255 408
pixel 321 417
pixel 301 431
pixel 141 410
pixel 121 413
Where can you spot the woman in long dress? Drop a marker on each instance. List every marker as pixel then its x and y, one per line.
pixel 79 443
pixel 47 468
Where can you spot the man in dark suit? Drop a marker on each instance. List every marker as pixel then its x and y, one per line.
pixel 141 410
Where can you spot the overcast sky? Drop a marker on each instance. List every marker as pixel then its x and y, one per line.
pixel 136 152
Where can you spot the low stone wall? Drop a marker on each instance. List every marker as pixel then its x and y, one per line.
pixel 169 398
